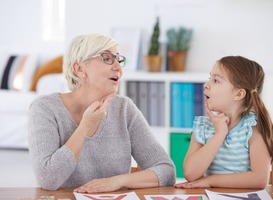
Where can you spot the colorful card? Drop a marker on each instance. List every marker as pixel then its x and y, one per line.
pixel 257 195
pixel 124 196
pixel 176 197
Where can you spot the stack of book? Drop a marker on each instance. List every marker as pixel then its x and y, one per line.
pixel 187 101
pixel 149 97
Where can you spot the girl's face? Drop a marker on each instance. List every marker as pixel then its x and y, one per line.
pixel 102 77
pixel 219 92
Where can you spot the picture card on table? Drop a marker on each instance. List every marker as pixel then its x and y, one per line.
pixel 256 195
pixel 176 197
pixel 105 196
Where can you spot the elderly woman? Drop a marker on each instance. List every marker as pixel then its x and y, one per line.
pixel 85 138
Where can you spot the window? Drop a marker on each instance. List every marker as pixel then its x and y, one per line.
pixel 53 20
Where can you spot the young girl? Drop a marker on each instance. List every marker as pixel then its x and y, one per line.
pixel 234 147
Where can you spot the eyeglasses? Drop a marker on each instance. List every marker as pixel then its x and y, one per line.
pixel 109 58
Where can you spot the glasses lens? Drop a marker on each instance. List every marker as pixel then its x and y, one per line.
pixel 121 60
pixel 108 58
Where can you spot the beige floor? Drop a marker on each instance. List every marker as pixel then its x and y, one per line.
pixel 15 169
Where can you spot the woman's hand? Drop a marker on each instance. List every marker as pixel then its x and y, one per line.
pixel 200 183
pixel 100 185
pixel 93 114
pixel 220 121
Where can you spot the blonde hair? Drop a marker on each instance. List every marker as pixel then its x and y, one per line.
pixel 81 49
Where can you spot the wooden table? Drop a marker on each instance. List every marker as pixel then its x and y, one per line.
pixel 36 193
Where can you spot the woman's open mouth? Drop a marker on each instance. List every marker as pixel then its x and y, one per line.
pixel 115 79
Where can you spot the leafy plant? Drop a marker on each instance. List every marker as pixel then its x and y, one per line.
pixel 154 42
pixel 179 40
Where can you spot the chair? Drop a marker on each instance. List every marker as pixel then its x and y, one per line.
pixel 135 169
pixel 270 178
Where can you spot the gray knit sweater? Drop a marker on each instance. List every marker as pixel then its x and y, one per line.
pixel 122 133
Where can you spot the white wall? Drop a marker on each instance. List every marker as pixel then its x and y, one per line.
pixel 21 30
pixel 20 24
pixel 221 27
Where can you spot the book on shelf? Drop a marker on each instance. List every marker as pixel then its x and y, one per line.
pixel 176 105
pixel 153 103
pixel 187 101
pixel 198 99
pixel 182 105
pixel 187 104
pixel 143 98
pixel 132 91
pixel 149 97
pixel 161 104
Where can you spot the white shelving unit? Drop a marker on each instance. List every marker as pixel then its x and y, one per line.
pixel 163 133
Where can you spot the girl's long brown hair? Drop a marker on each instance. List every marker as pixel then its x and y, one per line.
pixel 249 75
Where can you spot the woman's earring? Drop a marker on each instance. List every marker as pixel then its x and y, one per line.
pixel 83 75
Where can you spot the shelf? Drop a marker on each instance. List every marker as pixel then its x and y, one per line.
pixel 147 89
pixel 165 76
pixel 175 141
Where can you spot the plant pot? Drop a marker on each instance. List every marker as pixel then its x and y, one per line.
pixel 153 63
pixel 177 60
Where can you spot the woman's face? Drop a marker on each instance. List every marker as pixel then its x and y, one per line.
pixel 104 72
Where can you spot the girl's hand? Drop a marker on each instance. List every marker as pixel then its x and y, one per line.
pixel 93 114
pixel 220 121
pixel 200 183
pixel 99 185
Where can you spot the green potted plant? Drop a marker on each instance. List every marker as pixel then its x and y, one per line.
pixel 178 45
pixel 153 58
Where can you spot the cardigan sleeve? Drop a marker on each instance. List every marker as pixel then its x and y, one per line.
pixel 52 163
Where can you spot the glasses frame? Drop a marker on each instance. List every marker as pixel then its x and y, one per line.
pixel 114 57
